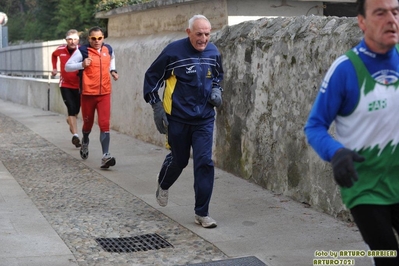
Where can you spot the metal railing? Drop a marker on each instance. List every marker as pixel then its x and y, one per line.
pixel 28 60
pixel 41 74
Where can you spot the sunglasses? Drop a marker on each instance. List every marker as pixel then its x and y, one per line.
pixel 96 38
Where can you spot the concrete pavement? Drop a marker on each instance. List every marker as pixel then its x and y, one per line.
pixel 251 221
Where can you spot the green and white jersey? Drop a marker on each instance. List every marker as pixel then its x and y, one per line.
pixel 372 130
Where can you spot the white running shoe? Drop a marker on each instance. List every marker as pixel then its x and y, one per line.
pixel 205 221
pixel 161 196
pixel 107 161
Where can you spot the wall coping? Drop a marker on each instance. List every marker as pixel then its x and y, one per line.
pixel 157 4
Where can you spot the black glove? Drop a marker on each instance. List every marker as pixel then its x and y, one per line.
pixel 216 97
pixel 343 167
pixel 161 121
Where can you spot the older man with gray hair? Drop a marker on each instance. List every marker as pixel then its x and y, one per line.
pixel 190 71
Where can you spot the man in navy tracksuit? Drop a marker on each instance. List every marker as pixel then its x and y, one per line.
pixel 190 71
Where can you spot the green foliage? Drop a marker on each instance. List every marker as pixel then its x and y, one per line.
pixel 79 16
pixel 106 5
pixel 15 24
pixel 67 17
pixel 43 20
pixel 21 18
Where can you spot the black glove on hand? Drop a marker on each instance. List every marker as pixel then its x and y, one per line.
pixel 161 121
pixel 343 167
pixel 216 97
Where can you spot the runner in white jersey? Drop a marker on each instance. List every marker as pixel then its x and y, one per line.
pixel 360 93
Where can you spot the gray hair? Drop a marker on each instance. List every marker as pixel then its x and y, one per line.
pixel 194 18
pixel 72 31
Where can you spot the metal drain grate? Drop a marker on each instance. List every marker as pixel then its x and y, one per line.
pixel 133 244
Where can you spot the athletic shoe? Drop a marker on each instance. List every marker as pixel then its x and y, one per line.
pixel 84 150
pixel 76 141
pixel 161 196
pixel 107 161
pixel 205 221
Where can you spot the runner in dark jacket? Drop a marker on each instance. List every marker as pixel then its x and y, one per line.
pixel 190 71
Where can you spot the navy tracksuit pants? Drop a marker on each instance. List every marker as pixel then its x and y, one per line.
pixel 181 137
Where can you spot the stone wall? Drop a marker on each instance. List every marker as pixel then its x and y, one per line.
pixel 154 17
pixel 171 15
pixel 273 68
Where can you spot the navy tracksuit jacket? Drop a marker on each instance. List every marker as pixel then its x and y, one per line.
pixel 187 77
